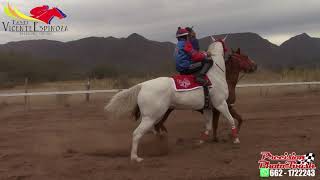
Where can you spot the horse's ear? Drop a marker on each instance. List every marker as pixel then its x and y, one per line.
pixel 225 38
pixel 213 39
pixel 238 51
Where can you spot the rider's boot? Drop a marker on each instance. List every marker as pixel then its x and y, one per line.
pixel 201 76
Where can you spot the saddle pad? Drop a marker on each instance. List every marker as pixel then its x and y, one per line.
pixel 187 82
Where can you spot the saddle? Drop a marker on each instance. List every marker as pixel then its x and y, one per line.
pixel 188 83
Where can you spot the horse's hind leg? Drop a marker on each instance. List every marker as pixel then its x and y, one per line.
pixel 145 125
pixel 223 108
pixel 160 125
pixel 208 125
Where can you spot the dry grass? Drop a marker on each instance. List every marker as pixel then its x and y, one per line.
pixel 262 76
pixel 288 75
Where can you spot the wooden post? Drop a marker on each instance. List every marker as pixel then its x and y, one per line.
pixel 26 81
pixel 267 91
pixel 88 87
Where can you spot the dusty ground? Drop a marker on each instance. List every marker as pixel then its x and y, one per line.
pixel 78 141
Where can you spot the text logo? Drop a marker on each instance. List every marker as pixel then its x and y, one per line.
pixel 41 13
pixel 287 164
pixel 39 20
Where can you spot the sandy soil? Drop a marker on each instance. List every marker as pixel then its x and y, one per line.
pixel 78 141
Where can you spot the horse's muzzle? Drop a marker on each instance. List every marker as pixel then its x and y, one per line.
pixel 253 68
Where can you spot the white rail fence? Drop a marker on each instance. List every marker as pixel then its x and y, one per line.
pixel 118 90
pixel 278 84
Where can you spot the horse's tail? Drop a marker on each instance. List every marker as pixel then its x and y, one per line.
pixel 124 103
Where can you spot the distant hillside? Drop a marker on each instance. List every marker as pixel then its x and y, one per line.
pixel 299 51
pixel 136 55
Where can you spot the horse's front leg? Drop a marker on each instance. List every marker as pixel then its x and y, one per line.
pixel 223 108
pixel 208 125
pixel 236 115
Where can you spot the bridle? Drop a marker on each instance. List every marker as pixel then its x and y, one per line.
pixel 218 66
pixel 222 41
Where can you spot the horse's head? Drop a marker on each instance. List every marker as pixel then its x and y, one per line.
pixel 242 61
pixel 218 47
pixel 58 13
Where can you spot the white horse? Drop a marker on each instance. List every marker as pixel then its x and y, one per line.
pixel 154 97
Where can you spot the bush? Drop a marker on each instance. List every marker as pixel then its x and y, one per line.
pixel 103 71
pixel 16 67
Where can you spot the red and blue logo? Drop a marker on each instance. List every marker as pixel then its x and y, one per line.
pixel 43 14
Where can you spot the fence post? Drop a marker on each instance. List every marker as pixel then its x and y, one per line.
pixel 88 87
pixel 26 81
pixel 267 91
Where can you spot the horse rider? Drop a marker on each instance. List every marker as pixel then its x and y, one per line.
pixel 193 38
pixel 189 60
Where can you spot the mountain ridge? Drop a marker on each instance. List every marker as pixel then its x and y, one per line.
pixel 122 53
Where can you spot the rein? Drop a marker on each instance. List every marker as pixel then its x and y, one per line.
pixel 242 76
pixel 219 67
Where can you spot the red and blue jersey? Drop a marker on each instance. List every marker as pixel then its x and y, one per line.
pixel 185 55
pixel 195 44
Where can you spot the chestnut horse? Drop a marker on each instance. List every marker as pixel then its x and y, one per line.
pixel 236 64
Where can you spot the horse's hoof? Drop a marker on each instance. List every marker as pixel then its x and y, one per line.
pixel 155 132
pixel 236 141
pixel 215 139
pixel 200 142
pixel 204 137
pixel 163 133
pixel 164 129
pixel 137 159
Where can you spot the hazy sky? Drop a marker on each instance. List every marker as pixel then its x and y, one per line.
pixel 275 20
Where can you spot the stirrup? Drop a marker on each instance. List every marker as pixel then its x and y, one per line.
pixel 202 81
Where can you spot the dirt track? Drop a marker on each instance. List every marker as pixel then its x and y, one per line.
pixel 79 142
